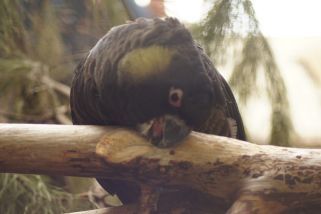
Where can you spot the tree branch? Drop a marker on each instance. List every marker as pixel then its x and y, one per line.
pixel 110 210
pixel 63 89
pixel 235 172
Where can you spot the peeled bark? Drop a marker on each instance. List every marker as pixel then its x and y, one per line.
pixel 217 172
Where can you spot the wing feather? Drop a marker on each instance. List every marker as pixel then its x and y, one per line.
pixel 225 108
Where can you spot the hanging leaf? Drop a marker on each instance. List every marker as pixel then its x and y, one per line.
pixel 231 30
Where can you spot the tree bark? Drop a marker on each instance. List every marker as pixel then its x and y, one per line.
pixel 240 176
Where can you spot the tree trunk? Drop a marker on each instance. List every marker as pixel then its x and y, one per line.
pixel 216 172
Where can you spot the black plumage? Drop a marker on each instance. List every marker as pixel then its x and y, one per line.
pixel 152 76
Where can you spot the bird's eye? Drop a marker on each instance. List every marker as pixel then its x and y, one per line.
pixel 175 97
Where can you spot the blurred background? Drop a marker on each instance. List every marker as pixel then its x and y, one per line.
pixel 269 51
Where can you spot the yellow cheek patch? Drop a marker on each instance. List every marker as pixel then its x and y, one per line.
pixel 142 63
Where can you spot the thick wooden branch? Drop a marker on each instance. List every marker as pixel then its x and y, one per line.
pixel 51 149
pixel 247 176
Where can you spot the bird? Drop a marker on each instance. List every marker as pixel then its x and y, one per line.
pixel 150 75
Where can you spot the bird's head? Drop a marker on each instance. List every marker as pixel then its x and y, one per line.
pixel 156 82
pixel 169 92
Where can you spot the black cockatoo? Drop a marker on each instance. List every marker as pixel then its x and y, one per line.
pixel 150 75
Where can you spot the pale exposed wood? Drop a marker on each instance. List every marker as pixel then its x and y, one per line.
pixel 235 172
pixel 128 209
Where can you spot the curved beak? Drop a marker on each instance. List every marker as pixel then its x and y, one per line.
pixel 165 131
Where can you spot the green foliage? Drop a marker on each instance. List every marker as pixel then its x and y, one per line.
pixel 232 30
pixel 27 98
pixel 32 46
pixel 12 33
pixel 107 14
pixel 44 33
pixel 31 194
